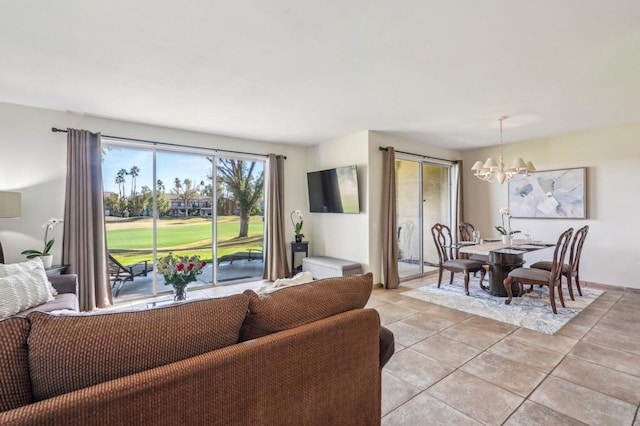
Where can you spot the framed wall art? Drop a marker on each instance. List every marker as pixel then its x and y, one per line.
pixel 550 194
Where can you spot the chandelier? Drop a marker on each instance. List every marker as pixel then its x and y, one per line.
pixel 492 170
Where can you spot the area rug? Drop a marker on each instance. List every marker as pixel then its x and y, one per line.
pixel 532 311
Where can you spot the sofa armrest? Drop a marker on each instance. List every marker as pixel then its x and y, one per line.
pixel 67 283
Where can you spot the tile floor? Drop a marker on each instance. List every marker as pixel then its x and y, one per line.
pixel 454 368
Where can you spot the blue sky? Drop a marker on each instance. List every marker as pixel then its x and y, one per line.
pixel 171 165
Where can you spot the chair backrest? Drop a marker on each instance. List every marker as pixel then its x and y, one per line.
pixel 115 267
pixel 466 231
pixel 558 255
pixel 442 238
pixel 576 248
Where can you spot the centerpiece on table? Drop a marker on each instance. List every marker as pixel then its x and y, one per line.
pixel 179 271
pixel 47 259
pixel 505 230
pixel 297 226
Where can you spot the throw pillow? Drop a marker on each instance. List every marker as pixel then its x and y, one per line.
pixel 15 385
pixel 301 304
pixel 70 352
pixel 300 278
pixel 23 286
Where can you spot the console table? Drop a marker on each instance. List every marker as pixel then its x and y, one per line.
pixel 298 248
pixel 56 270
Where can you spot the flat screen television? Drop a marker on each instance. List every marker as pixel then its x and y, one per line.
pixel 334 190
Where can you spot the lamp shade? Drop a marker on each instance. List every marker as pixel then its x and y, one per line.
pixel 10 204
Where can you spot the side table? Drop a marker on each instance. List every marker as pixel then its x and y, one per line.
pixel 56 270
pixel 298 248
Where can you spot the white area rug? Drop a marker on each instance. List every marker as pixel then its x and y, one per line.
pixel 532 311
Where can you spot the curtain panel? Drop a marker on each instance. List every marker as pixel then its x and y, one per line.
pixel 390 276
pixel 275 260
pixel 84 246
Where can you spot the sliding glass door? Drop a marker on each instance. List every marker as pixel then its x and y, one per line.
pixel 166 201
pixel 423 199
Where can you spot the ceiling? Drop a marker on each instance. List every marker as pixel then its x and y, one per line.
pixel 302 72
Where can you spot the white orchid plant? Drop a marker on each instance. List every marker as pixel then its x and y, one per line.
pixel 297 225
pixel 48 226
pixel 504 213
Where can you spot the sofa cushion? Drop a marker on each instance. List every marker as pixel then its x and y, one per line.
pixel 76 351
pixel 23 286
pixel 298 305
pixel 15 385
pixel 60 302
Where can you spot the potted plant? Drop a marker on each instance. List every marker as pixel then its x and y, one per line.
pixel 505 232
pixel 297 226
pixel 47 259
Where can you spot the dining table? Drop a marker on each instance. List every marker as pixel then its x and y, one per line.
pixel 502 258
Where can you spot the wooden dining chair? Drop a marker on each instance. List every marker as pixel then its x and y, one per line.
pixel 534 276
pixel 448 257
pixel 466 234
pixel 572 268
pixel 466 231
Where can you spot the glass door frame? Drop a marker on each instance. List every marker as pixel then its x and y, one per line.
pixel 451 175
pixel 214 155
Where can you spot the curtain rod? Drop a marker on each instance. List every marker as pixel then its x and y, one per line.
pixel 122 138
pixel 384 148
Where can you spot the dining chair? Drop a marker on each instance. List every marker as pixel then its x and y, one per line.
pixel 448 258
pixel 572 268
pixel 466 231
pixel 466 234
pixel 534 276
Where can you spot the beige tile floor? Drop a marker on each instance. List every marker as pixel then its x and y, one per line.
pixel 454 368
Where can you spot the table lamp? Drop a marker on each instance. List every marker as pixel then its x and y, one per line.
pixel 10 206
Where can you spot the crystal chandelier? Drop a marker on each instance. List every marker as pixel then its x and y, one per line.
pixel 492 170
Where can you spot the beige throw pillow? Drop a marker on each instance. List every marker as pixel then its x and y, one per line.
pixel 23 286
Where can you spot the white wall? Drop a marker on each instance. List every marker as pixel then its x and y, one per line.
pixel 612 156
pixel 345 236
pixel 33 162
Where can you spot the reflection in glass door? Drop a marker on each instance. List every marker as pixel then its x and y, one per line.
pixel 423 199
pixel 239 218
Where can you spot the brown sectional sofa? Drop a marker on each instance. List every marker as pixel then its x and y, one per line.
pixel 302 355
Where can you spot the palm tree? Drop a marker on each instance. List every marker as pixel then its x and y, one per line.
pixel 238 176
pixel 134 173
pixel 186 192
pixel 120 180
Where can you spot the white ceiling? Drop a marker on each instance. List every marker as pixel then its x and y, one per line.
pixel 302 71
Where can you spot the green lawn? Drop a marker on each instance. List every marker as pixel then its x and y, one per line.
pixel 130 240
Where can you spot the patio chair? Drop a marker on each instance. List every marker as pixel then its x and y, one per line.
pixel 120 273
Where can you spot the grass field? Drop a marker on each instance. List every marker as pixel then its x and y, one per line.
pixel 130 239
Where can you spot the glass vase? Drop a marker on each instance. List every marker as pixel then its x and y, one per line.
pixel 179 292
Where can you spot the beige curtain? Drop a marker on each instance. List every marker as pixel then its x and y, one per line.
pixel 275 260
pixel 390 276
pixel 457 213
pixel 84 246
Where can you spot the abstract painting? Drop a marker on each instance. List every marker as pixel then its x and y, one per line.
pixel 550 194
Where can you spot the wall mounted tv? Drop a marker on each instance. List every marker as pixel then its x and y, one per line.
pixel 334 190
